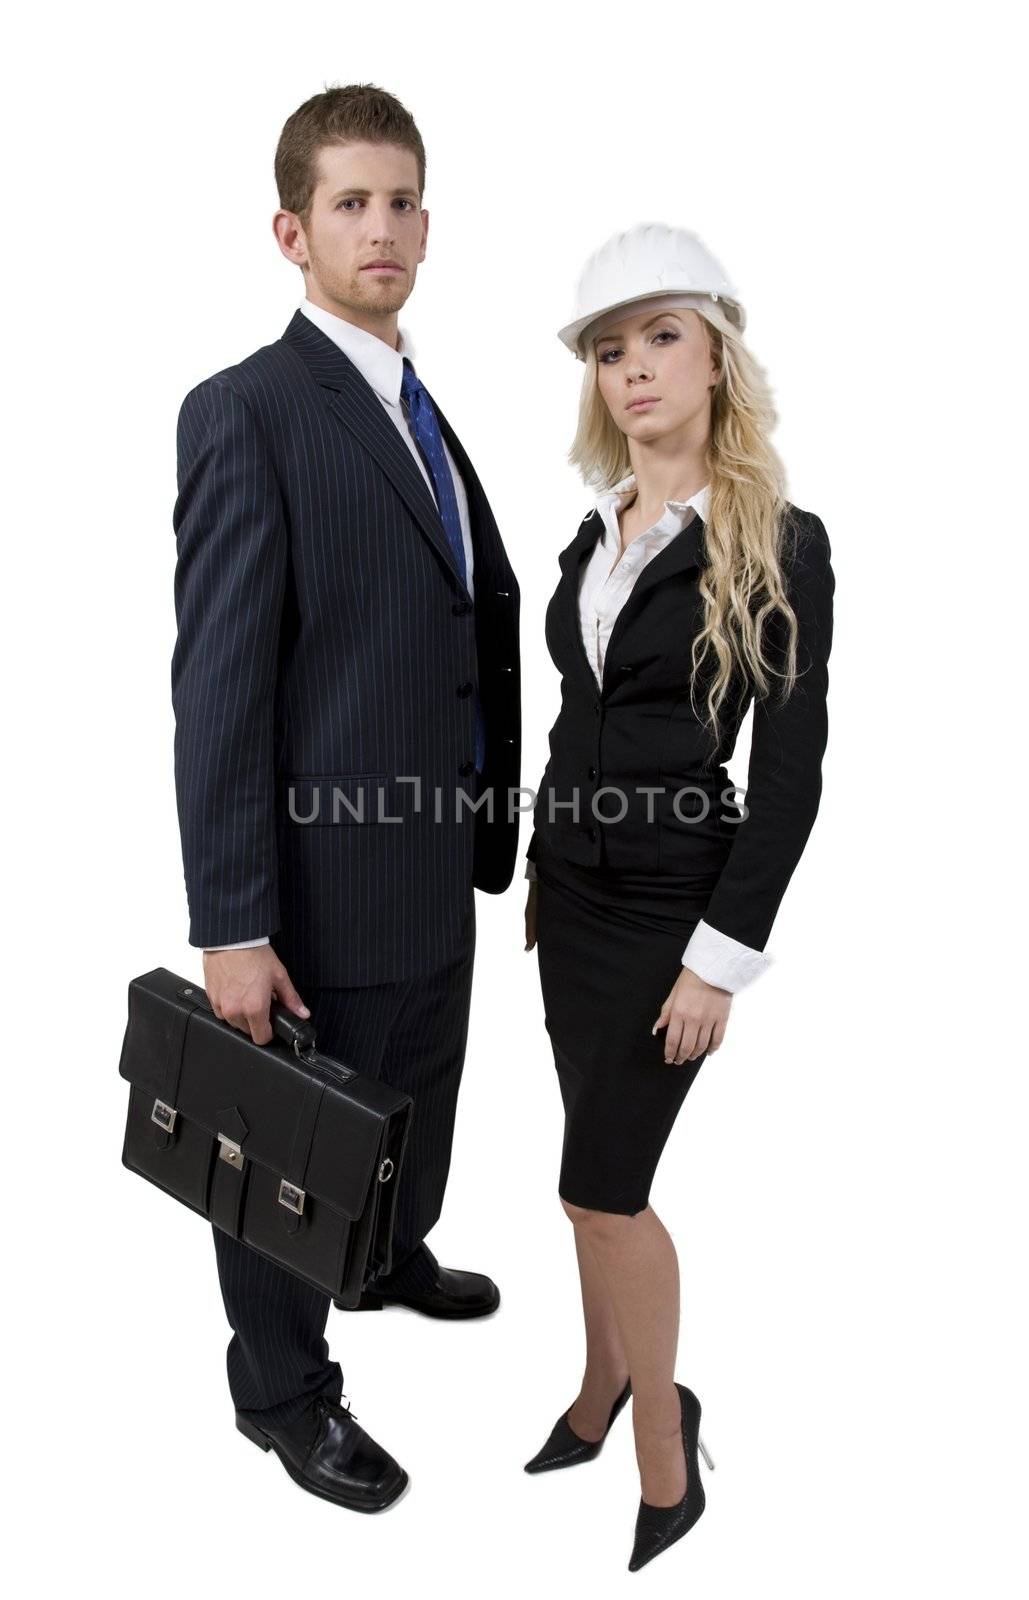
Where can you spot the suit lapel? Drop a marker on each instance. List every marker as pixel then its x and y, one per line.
pixel 571 561
pixel 485 533
pixel 353 400
pixel 572 556
pixel 686 551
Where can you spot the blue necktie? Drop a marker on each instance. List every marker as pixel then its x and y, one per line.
pixel 426 431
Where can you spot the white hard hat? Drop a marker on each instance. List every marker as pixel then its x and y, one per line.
pixel 650 262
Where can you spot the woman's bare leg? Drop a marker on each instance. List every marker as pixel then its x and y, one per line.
pixel 639 1268
pixel 607 1366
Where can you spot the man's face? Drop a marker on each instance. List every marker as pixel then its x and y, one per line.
pixel 365 210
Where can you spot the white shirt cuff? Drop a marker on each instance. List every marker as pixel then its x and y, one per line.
pixel 723 961
pixel 246 944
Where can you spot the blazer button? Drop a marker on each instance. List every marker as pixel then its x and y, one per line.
pixel 466 769
pixel 592 773
pixel 591 834
pixel 596 707
pixel 464 690
pixel 461 608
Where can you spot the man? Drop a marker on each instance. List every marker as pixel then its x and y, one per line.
pixel 347 649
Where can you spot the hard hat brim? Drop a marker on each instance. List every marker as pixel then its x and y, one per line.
pixel 571 336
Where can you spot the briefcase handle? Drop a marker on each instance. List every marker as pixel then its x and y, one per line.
pixel 291 1029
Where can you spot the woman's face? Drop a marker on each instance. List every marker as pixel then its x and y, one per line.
pixel 656 373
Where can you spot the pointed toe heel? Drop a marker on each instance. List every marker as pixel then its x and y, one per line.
pixel 657 1527
pixel 564 1448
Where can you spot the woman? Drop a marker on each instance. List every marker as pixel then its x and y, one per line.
pixel 692 589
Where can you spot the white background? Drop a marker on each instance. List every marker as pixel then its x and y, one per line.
pixel 846 1181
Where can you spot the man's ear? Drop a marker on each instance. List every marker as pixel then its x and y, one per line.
pixel 289 236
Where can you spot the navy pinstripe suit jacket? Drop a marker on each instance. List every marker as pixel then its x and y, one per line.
pixel 324 669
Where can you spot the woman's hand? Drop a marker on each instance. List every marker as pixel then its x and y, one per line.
pixel 530 914
pixel 695 1015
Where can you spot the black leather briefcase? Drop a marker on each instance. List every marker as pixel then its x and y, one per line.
pixel 280 1146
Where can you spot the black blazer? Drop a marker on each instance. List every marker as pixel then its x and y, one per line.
pixel 638 730
pixel 326 642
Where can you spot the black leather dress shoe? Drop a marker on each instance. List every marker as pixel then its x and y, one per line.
pixel 451 1294
pixel 329 1454
pixel 564 1448
pixel 659 1526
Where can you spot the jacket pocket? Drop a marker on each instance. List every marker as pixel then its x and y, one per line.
pixel 350 800
pixel 692 830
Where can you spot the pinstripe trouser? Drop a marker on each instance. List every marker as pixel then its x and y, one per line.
pixel 412 1035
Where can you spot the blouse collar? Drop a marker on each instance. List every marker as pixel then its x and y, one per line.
pixel 672 521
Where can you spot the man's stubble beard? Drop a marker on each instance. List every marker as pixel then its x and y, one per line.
pixel 359 293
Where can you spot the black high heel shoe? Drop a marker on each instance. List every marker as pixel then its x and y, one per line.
pixel 659 1526
pixel 564 1448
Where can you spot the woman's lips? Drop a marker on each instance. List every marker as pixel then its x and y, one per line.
pixel 645 404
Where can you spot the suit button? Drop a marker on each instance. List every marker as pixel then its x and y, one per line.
pixel 592 772
pixel 466 769
pixel 627 671
pixel 461 608
pixel 464 690
pixel 591 834
pixel 596 707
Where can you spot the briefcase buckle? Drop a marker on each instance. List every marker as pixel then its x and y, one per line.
pixel 230 1151
pixel 291 1197
pixel 163 1115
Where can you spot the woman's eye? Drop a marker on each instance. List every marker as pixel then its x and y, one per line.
pixel 662 333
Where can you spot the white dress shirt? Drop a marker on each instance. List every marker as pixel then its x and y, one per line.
pixel 383 368
pixel 606 585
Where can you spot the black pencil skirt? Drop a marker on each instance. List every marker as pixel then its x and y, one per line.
pixel 610 948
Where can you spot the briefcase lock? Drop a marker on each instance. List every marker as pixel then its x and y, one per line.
pixel 163 1115
pixel 291 1197
pixel 230 1151
pixel 385 1170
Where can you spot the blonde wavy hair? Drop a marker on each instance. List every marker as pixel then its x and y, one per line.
pixel 746 609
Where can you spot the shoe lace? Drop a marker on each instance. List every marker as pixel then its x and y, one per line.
pixel 325 1400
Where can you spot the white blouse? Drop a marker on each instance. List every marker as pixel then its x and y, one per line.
pixel 606 585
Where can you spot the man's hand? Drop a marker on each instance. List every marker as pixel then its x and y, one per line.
pixel 695 1014
pixel 241 985
pixel 530 914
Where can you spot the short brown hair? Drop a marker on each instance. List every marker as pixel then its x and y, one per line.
pixel 356 112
